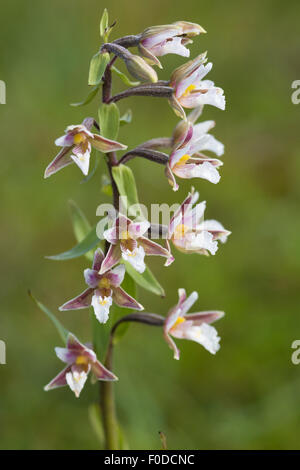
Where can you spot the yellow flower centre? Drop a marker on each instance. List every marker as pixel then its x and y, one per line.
pixel 178 322
pixel 125 235
pixel 188 90
pixel 180 231
pixel 79 138
pixel 104 283
pixel 182 160
pixel 81 360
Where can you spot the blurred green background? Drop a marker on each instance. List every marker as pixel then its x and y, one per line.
pixel 248 395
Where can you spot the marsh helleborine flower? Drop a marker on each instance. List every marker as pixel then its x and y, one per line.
pixel 128 242
pixel 103 290
pixel 193 326
pixel 190 233
pixel 190 90
pixel 168 39
pixel 80 140
pixel 187 160
pixel 80 361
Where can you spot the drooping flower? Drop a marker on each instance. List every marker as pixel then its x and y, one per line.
pixel 168 39
pixel 190 233
pixel 128 242
pixel 80 360
pixel 193 326
pixel 190 90
pixel 187 160
pixel 80 140
pixel 103 290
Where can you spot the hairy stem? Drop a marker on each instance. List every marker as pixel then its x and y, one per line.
pixel 107 399
pixel 159 91
pixel 153 155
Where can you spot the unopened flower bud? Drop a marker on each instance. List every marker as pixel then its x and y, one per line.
pixel 139 69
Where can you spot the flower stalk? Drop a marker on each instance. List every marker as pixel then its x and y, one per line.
pixel 128 241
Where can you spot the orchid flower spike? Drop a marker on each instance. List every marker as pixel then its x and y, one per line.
pixel 187 160
pixel 190 90
pixel 128 241
pixel 80 140
pixel 168 39
pixel 193 326
pixel 103 290
pixel 80 361
pixel 190 233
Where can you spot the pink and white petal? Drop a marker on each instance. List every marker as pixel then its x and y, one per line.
pixel 59 380
pixel 215 228
pixel 178 154
pixel 121 298
pixel 112 235
pixel 116 275
pixel 91 277
pixel 172 46
pixel 76 380
pixel 204 170
pixel 101 306
pixel 160 36
pixel 152 248
pixel 101 372
pixel 137 229
pixel 83 300
pixel 208 142
pixel 82 160
pixel 98 258
pixel 66 355
pixel 135 257
pixel 209 316
pixel 65 140
pixel 188 303
pixel 171 178
pixel 202 128
pixel 106 145
pixel 203 241
pixel 172 345
pixel 61 160
pixel 112 258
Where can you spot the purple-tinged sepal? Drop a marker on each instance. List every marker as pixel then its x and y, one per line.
pixel 158 41
pixel 190 233
pixel 129 242
pixel 195 326
pixel 104 288
pixel 190 90
pixel 77 145
pixel 80 360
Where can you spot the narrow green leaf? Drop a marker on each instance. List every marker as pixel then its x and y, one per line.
pixel 125 182
pixel 126 118
pixel 89 242
pixel 97 68
pixel 109 118
pixel 145 280
pixel 104 23
pixel 81 225
pixel 124 77
pixel 89 97
pixel 63 332
pixel 96 422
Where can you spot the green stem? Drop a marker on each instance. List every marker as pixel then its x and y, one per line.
pixel 107 398
pixel 107 403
